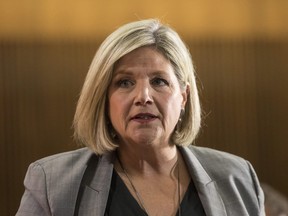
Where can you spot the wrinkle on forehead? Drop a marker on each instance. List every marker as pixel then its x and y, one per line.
pixel 141 59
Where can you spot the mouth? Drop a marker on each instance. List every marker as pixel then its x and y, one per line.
pixel 144 117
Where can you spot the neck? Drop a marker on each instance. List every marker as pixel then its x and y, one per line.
pixel 145 172
pixel 148 160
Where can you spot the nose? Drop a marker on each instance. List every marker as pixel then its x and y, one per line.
pixel 143 95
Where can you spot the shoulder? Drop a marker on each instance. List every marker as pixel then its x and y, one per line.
pixel 232 174
pixel 54 180
pixel 75 157
pixel 62 167
pixel 206 154
pixel 221 165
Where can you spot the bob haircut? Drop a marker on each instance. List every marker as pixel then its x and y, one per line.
pixel 92 126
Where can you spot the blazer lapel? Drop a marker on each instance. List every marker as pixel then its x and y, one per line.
pixel 94 190
pixel 206 187
pixel 95 185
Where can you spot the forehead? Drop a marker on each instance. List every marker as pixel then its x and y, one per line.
pixel 143 58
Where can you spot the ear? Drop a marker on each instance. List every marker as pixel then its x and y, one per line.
pixel 185 93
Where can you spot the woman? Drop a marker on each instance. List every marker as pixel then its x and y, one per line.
pixel 137 114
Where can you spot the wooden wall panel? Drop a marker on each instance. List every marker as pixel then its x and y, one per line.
pixel 227 73
pixel 242 85
pixel 82 19
pixel 3 147
pixel 41 83
pixel 272 100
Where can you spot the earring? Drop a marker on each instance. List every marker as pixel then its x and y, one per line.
pixel 111 130
pixel 182 112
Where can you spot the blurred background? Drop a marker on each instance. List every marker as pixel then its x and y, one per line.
pixel 239 48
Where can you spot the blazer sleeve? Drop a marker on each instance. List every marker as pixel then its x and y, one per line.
pixel 34 200
pixel 258 190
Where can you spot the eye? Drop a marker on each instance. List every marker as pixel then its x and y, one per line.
pixel 159 82
pixel 125 83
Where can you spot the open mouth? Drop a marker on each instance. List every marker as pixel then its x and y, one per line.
pixel 144 116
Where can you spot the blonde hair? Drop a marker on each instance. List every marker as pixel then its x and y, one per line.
pixel 91 122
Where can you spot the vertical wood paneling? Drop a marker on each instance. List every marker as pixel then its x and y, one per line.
pixel 227 73
pixel 272 99
pixel 243 88
pixel 41 83
pixel 3 146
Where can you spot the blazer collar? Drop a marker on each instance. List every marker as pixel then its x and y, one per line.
pixel 206 187
pixel 94 191
pixel 95 185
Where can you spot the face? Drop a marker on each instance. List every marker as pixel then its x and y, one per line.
pixel 145 98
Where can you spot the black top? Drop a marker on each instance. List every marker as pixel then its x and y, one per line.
pixel 122 203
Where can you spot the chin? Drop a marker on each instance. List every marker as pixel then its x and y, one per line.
pixel 146 139
pixel 147 135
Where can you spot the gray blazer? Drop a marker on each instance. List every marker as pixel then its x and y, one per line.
pixel 78 183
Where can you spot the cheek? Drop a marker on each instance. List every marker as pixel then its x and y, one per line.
pixel 113 107
pixel 173 107
pixel 167 107
pixel 117 107
pixel 174 101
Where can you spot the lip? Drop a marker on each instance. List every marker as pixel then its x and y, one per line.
pixel 144 117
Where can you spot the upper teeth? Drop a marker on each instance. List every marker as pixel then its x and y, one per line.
pixel 144 116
